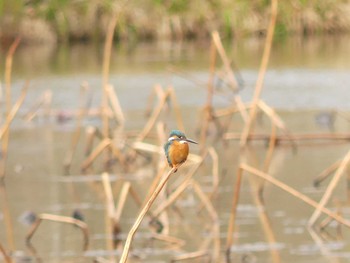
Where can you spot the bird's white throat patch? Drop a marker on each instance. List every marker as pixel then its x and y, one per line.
pixel 174 137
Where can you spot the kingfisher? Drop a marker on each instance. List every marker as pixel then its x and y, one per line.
pixel 176 148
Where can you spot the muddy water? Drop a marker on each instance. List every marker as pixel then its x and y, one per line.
pixel 306 77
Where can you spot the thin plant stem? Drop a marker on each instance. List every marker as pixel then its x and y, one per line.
pixel 327 172
pixel 143 213
pixel 208 106
pixel 295 193
pixel 61 219
pixel 8 70
pixel 341 169
pixel 233 213
pixel 191 255
pixel 270 151
pixel 262 71
pixel 5 255
pixel 214 216
pixel 7 218
pixel 178 116
pixel 110 211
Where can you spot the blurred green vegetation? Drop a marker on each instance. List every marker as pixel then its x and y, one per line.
pixel 70 20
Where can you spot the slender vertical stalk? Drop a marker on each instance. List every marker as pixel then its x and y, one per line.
pixel 208 107
pixel 142 215
pixel 105 73
pixel 261 76
pixel 8 71
pixel 110 211
pixel 230 230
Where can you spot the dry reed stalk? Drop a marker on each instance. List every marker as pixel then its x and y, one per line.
pixel 240 105
pixel 275 119
pixel 174 241
pixel 265 220
pixel 208 107
pixel 231 110
pixel 138 202
pixel 99 149
pixel 263 67
pixel 152 119
pixel 161 133
pixel 43 100
pixel 218 44
pixel 116 152
pixel 233 214
pixel 215 218
pixel 163 218
pixel 320 242
pixel 154 183
pixel 117 110
pixel 6 257
pixel 327 172
pixel 110 223
pixel 90 132
pixel 147 147
pixel 295 193
pixel 142 214
pixel 272 115
pixel 295 137
pixel 95 153
pixel 7 218
pixel 60 219
pixel 76 134
pixel 135 196
pixel 101 260
pixel 105 72
pixel 176 106
pixel 121 201
pixel 109 195
pixel 158 91
pixel 191 255
pixel 8 71
pixel 175 194
pixel 8 104
pixel 271 149
pixel 329 191
pixel 215 171
pixel 12 113
pixel 127 189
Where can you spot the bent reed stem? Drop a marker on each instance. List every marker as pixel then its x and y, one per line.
pixel 143 213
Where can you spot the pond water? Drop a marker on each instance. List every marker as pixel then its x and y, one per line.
pixel 307 83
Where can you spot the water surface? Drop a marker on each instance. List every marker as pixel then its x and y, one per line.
pixel 305 77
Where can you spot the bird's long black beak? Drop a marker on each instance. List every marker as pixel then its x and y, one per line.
pixel 191 141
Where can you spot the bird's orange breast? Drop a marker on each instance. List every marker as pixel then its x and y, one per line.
pixel 178 152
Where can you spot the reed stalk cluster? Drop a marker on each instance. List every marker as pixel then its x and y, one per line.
pixel 115 150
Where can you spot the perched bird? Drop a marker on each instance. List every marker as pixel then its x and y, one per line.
pixel 176 148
